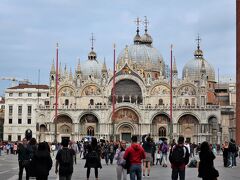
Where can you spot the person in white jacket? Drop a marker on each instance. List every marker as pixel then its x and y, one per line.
pixel 121 171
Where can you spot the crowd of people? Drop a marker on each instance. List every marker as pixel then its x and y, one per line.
pixel 135 158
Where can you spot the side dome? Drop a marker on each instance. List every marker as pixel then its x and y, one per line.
pixel 193 68
pixel 91 67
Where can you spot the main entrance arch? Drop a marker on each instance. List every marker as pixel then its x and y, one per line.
pixel 125 123
pixel 64 127
pixel 159 126
pixel 89 125
pixel 188 126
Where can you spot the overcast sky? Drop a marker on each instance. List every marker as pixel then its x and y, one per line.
pixel 30 29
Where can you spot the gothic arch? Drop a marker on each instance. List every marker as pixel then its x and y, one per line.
pixel 134 114
pixel 66 91
pixel 191 92
pixel 91 89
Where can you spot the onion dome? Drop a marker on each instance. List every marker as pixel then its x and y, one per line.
pixel 194 68
pixel 146 38
pixel 91 68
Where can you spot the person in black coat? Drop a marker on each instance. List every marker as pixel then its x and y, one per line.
pixel 93 158
pixel 206 169
pixel 42 161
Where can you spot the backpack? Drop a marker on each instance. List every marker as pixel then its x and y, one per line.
pixel 178 155
pixel 164 148
pixel 66 157
pixel 92 157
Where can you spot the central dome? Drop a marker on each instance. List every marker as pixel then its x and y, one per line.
pixel 141 54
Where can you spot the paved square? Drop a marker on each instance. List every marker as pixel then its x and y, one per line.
pixel 9 171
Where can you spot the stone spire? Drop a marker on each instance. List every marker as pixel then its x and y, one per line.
pixel 104 67
pixel 78 66
pixel 175 71
pixel 70 75
pixel 53 67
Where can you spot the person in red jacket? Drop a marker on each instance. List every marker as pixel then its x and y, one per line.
pixel 135 154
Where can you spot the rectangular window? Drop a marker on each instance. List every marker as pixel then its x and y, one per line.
pixel 10 94
pixel 29 110
pixel 29 121
pixel 9 137
pixel 20 94
pixel 39 94
pixel 19 110
pixel 19 137
pixel 19 121
pixel 10 121
pixel 10 109
pixel 29 94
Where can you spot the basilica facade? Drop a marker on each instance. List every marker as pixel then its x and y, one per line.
pixel 142 96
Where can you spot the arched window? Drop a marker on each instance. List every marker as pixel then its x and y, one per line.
pixel 66 102
pixel 90 131
pixel 52 77
pixel 91 102
pixel 160 102
pixel 162 132
pixel 187 102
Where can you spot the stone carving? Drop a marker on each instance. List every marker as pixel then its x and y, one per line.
pixel 126 115
pixel 66 91
pixel 91 90
pixel 160 119
pixel 187 90
pixel 160 90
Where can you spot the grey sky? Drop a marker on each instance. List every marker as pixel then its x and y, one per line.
pixel 30 29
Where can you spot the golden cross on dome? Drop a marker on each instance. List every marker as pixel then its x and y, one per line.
pixel 92 40
pixel 146 23
pixel 137 21
pixel 198 41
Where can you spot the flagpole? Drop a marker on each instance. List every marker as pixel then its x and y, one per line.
pixel 171 122
pixel 56 100
pixel 113 89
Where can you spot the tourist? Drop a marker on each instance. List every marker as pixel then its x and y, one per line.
pixel 158 156
pixel 64 161
pixel 179 158
pixel 93 158
pixel 32 146
pixel 147 146
pixel 121 163
pixel 111 152
pixel 232 149
pixel 42 161
pixel 8 147
pixel 106 152
pixel 153 151
pixel 164 152
pixel 23 159
pixel 135 154
pixel 206 169
pixel 15 148
pixel 1 147
pixel 53 148
pixel 74 147
pixel 226 162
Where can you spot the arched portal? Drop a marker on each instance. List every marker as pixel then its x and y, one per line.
pixel 125 131
pixel 128 91
pixel 89 125
pixel 159 126
pixel 188 126
pixel 42 132
pixel 64 127
pixel 213 129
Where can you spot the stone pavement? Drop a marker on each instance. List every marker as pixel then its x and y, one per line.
pixel 9 171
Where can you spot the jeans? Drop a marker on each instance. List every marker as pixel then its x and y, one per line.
pixel 164 157
pixel 135 170
pixel 21 167
pixel 106 158
pixel 111 156
pixel 121 172
pixel 68 177
pixel 176 172
pixel 232 159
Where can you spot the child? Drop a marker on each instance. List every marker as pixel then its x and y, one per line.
pixel 158 157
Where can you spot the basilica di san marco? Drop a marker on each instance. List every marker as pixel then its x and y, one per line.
pixel 142 96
